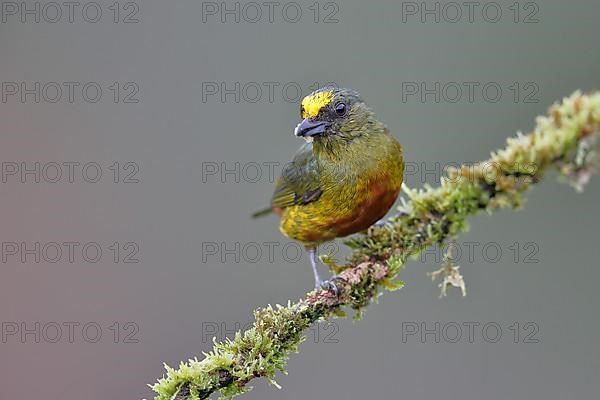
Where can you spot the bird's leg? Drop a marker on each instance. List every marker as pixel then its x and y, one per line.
pixel 319 284
pixel 312 255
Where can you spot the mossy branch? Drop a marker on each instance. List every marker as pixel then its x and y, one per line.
pixel 568 139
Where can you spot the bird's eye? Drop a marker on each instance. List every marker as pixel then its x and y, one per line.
pixel 340 109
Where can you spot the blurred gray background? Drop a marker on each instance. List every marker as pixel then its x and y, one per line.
pixel 167 126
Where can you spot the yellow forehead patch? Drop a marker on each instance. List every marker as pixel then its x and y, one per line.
pixel 312 104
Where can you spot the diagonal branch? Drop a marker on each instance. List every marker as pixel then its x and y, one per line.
pixel 568 139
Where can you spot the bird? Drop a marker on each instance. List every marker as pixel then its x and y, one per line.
pixel 343 179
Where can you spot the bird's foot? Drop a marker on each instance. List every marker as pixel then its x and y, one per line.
pixel 382 223
pixel 329 285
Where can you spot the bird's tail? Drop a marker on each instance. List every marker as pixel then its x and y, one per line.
pixel 262 213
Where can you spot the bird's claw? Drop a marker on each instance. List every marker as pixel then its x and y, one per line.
pixel 382 223
pixel 330 285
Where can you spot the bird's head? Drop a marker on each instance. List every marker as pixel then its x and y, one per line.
pixel 335 116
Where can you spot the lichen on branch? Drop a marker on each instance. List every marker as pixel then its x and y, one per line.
pixel 568 139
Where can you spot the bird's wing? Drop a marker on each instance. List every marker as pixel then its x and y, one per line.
pixel 299 180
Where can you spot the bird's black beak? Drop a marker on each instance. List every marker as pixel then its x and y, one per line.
pixel 310 128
